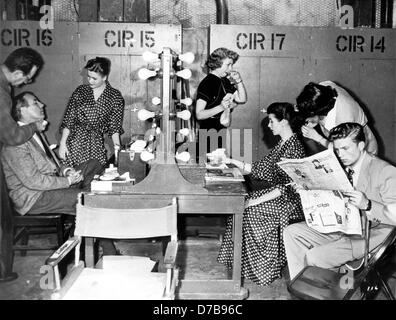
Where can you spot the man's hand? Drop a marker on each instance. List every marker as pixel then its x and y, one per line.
pixel 74 176
pixel 356 198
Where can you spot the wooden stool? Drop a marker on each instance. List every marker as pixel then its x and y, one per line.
pixel 26 225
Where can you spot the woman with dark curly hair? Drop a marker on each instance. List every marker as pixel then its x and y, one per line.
pixel 94 109
pixel 268 210
pixel 329 105
pixel 216 93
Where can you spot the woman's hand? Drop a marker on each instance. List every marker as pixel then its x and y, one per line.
pixel 296 187
pixel 226 102
pixel 235 75
pixel 63 151
pixel 311 133
pixel 227 160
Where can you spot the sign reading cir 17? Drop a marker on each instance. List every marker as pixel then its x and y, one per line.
pixel 255 40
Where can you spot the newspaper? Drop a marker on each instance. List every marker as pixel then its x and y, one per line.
pixel 325 208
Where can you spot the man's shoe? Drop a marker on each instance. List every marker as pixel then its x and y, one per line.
pixel 10 277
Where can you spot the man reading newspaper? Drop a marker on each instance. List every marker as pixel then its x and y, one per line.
pixel 322 184
pixel 374 191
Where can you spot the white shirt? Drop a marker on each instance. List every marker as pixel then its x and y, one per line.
pixel 357 168
pixel 35 136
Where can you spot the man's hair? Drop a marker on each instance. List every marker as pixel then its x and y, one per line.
pixel 99 65
pixel 20 102
pixel 348 129
pixel 23 59
pixel 217 57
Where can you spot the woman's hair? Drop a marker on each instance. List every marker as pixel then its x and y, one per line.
pixel 99 65
pixel 285 110
pixel 348 129
pixel 217 57
pixel 316 100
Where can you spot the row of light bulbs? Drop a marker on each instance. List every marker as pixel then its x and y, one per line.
pixel 145 73
pixel 144 114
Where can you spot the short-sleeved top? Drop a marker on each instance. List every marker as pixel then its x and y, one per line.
pixel 212 90
pixel 347 109
pixel 88 120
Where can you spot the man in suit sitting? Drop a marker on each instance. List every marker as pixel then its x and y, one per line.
pixel 374 181
pixel 36 185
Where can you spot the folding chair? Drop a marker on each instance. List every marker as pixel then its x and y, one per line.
pixel 120 277
pixel 315 283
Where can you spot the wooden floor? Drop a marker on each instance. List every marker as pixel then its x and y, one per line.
pixel 197 260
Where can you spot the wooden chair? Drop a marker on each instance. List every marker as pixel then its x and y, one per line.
pixel 120 277
pixel 314 283
pixel 27 225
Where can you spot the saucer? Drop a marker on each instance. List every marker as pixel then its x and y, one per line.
pixel 109 176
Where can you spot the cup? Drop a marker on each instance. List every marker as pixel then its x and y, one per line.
pixel 219 155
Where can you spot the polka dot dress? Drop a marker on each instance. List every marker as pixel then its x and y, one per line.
pixel 263 252
pixel 88 120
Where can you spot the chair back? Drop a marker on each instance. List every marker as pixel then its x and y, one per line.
pixel 128 223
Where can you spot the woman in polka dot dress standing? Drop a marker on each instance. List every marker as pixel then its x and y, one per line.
pixel 268 211
pixel 94 109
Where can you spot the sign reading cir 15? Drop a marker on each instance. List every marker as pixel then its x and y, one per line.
pixel 127 38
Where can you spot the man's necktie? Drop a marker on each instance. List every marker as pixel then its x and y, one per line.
pixel 50 153
pixel 350 173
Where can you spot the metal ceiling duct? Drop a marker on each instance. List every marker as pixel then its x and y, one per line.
pixel 221 12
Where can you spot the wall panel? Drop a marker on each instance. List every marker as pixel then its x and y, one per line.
pixel 58 47
pixel 361 60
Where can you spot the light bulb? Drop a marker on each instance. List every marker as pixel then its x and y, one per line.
pixel 187 57
pixel 146 156
pixel 156 101
pixel 138 146
pixel 145 73
pixel 149 56
pixel 183 156
pixel 144 114
pixel 185 114
pixel 185 132
pixel 185 74
pixel 186 101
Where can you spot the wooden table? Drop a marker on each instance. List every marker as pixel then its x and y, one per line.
pixel 227 199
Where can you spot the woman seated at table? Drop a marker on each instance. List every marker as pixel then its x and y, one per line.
pixel 268 211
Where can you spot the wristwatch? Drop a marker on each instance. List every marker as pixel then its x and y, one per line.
pixel 368 208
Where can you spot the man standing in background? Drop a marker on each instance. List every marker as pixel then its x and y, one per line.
pixel 18 69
